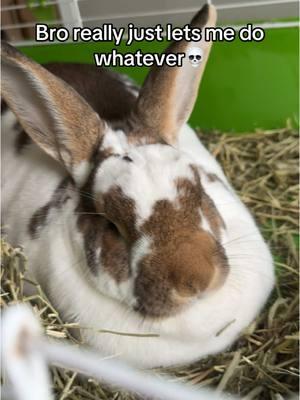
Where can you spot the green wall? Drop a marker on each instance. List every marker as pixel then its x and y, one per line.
pixel 246 85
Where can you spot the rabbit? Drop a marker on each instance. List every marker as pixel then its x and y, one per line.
pixel 129 223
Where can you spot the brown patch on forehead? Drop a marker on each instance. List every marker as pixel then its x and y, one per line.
pixel 39 219
pixel 191 198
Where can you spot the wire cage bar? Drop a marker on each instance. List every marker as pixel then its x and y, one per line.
pixel 80 13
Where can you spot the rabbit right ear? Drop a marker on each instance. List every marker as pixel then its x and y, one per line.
pixel 56 117
pixel 168 95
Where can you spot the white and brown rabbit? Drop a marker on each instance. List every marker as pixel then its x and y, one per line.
pixel 128 222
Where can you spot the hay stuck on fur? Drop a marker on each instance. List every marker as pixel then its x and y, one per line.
pixel 263 363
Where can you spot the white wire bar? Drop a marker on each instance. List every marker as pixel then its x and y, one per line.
pixel 187 10
pixel 26 354
pixel 119 374
pixel 72 23
pixel 218 6
pixel 70 12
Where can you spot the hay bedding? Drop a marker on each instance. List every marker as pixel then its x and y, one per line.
pixel 263 364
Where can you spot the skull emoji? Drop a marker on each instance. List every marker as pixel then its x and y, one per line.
pixel 195 56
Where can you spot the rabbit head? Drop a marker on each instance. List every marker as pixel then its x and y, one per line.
pixel 154 226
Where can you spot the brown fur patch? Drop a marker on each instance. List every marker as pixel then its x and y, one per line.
pixel 176 272
pixel 104 246
pixel 184 260
pixel 39 219
pixel 120 209
pixel 114 254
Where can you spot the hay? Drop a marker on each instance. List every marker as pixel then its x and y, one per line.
pixel 263 363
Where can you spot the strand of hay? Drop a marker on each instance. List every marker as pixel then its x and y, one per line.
pixel 263 363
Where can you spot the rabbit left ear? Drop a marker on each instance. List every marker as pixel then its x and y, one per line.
pixel 52 113
pixel 168 95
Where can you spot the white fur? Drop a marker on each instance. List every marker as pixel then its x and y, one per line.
pixel 130 84
pixel 204 224
pixel 123 291
pixel 81 171
pixel 56 256
pixel 115 141
pixel 141 248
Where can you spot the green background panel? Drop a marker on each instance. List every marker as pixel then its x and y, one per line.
pixel 245 86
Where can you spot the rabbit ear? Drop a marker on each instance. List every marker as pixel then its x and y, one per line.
pixel 168 95
pixel 50 111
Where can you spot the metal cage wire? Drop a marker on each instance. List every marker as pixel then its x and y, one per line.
pixel 75 13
